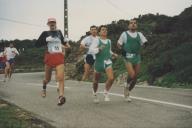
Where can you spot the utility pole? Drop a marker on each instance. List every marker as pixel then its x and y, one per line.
pixel 66 19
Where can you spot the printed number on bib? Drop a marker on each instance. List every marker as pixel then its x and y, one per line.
pixel 129 55
pixel 56 48
pixel 107 62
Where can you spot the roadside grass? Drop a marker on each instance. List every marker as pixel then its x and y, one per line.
pixel 12 116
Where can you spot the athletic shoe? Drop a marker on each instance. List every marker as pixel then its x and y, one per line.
pixel 43 93
pixel 5 79
pixel 106 97
pixel 95 99
pixel 126 93
pixel 61 101
pixel 128 99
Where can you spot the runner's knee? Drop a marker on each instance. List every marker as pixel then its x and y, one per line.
pixel 60 78
pixel 111 78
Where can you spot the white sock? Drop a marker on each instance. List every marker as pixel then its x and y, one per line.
pixel 106 92
pixel 94 93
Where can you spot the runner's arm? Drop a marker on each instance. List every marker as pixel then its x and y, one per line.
pixel 64 41
pixel 5 51
pixel 143 38
pixel 83 44
pixel 111 52
pixel 41 40
pixel 16 51
pixel 121 40
pixel 67 45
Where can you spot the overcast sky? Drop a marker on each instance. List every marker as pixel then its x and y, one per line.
pixel 82 14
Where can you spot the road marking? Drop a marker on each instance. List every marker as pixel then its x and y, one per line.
pixel 156 87
pixel 153 100
pixel 40 85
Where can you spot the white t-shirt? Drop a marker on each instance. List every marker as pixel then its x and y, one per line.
pixel 1 54
pixel 90 42
pixel 54 44
pixel 123 38
pixel 11 53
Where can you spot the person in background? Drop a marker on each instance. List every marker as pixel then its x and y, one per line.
pixel 130 42
pixel 10 52
pixel 88 43
pixel 103 63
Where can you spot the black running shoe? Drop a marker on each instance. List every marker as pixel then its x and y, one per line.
pixel 62 101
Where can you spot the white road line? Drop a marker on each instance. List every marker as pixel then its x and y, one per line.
pixel 157 87
pixel 153 100
pixel 40 85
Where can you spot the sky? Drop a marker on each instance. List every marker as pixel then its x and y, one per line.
pixel 82 14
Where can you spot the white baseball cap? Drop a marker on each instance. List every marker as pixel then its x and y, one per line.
pixel 51 20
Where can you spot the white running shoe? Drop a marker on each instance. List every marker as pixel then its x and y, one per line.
pixel 5 79
pixel 106 97
pixel 128 99
pixel 127 93
pixel 95 99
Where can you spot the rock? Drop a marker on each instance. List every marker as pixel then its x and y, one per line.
pixel 3 105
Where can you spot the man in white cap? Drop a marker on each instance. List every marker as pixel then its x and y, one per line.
pixel 54 42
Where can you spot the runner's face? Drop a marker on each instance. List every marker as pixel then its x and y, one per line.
pixel 133 25
pixel 52 25
pixel 103 32
pixel 11 45
pixel 93 31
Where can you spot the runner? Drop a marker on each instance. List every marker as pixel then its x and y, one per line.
pixel 103 63
pixel 2 61
pixel 88 43
pixel 10 53
pixel 53 40
pixel 130 43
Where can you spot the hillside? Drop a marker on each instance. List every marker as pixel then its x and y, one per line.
pixel 167 56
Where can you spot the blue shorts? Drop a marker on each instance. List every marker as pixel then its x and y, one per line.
pixel 89 59
pixel 2 65
pixel 11 61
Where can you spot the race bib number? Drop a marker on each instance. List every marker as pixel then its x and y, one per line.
pixel 54 44
pixel 108 62
pixel 129 55
pixel 56 48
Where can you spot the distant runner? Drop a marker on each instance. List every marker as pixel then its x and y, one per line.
pixel 10 53
pixel 53 40
pixel 89 43
pixel 130 43
pixel 2 61
pixel 103 63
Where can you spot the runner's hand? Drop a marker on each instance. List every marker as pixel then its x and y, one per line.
pixel 101 47
pixel 115 55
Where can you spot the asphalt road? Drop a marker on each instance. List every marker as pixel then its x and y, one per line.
pixel 151 107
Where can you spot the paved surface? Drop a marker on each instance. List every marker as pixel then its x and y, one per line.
pixel 150 108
